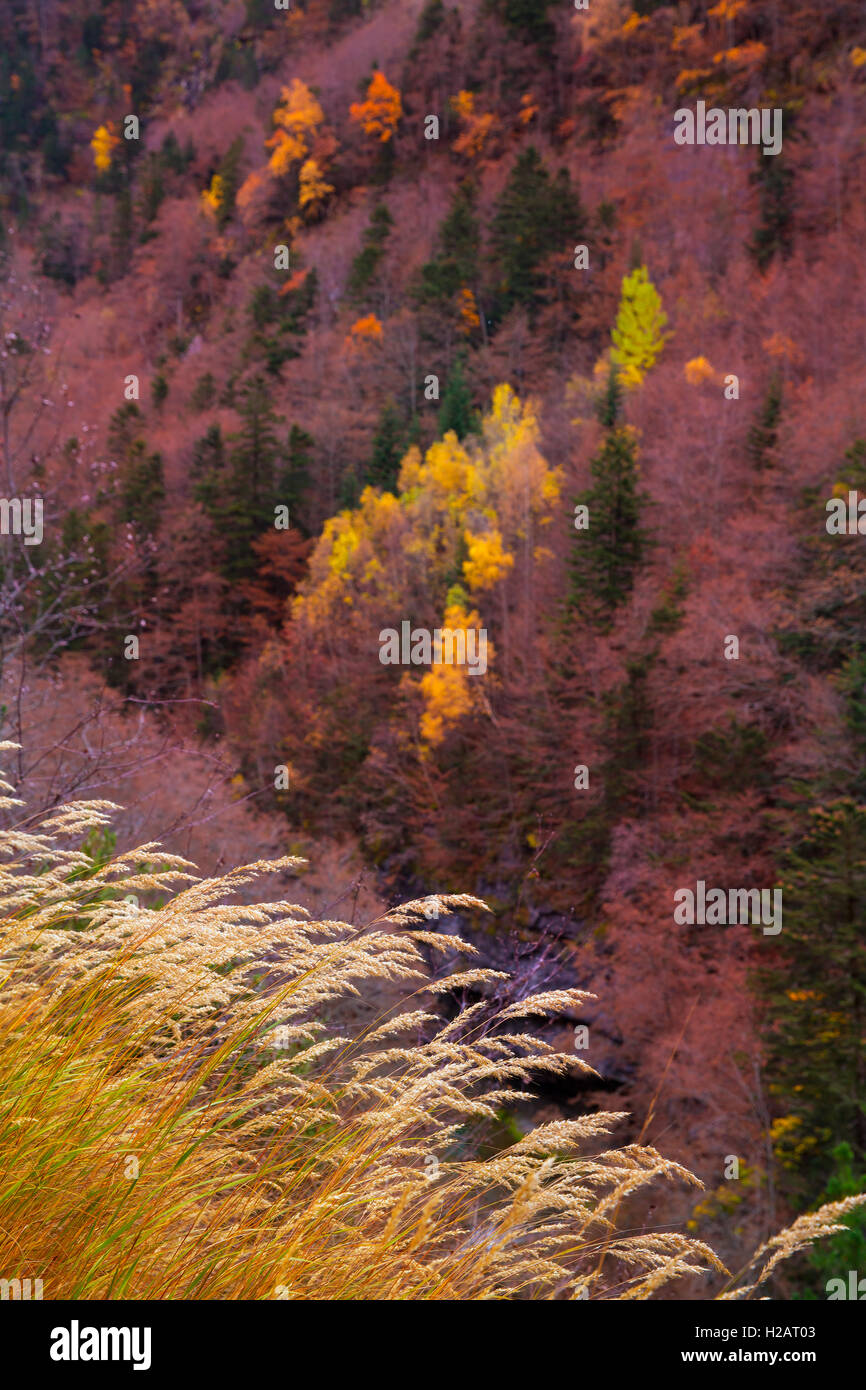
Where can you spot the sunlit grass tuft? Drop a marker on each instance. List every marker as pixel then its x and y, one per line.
pixel 180 1117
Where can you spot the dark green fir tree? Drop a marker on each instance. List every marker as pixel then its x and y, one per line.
pixel 764 433
pixel 455 410
pixel 389 446
pixel 814 992
pixel 609 542
pixel 536 216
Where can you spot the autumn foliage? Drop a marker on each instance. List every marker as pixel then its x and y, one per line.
pixel 379 114
pixel 288 373
pixel 296 121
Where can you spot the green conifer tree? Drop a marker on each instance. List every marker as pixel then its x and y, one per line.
pixel 529 19
pixel 536 216
pixel 208 468
pixel 366 264
pixel 295 478
pixel 774 234
pixel 431 19
pixel 253 459
pixel 455 410
pixel 142 488
pixel 239 491
pixel 814 991
pixel 764 433
pixel 847 1250
pixel 455 262
pixel 229 171
pixel 389 446
pixel 606 553
pixel 151 197
pixel 140 485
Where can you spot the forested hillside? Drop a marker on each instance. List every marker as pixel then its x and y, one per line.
pixel 325 319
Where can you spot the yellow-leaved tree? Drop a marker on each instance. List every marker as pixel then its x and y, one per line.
pixel 103 144
pixel 296 121
pixel 639 335
pixel 472 510
pixel 447 687
pixel 487 562
pixel 314 188
pixel 212 198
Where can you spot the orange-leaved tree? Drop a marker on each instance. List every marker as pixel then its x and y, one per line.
pixel 296 120
pixel 381 111
pixel 475 125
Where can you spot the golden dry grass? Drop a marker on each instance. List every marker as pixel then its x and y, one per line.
pixel 179 1119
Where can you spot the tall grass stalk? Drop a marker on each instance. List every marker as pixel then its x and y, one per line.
pixel 181 1116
